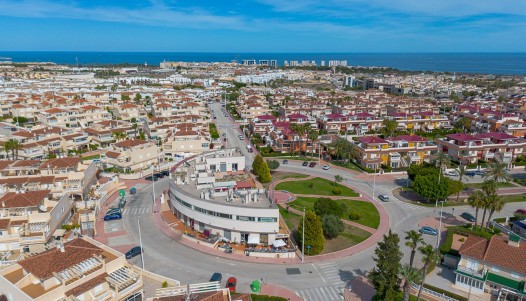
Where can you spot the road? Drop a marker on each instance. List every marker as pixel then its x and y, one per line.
pixel 315 282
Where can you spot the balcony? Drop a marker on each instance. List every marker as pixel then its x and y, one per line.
pixel 471 272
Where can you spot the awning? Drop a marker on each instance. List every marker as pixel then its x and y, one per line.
pixel 253 239
pixel 278 243
pixel 59 233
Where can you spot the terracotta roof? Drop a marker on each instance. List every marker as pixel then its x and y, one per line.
pixel 113 155
pixel 207 296
pixel 60 163
pixel 5 163
pixel 130 143
pixel 26 199
pixel 52 261
pixel 26 163
pixel 86 286
pixel 496 251
pixel 23 180
pixel 372 140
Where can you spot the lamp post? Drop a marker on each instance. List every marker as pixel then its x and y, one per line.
pixel 440 225
pixel 153 185
pixel 140 242
pixel 303 238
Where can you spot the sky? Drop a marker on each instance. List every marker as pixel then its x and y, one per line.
pixel 307 26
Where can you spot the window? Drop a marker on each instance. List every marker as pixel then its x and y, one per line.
pixel 204 145
pixel 495 269
pixel 246 218
pixel 267 219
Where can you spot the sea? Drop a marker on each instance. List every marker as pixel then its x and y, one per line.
pixel 481 63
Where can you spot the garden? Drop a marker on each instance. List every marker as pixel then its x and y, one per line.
pixel 317 186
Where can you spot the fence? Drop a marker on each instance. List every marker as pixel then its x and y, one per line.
pixel 433 293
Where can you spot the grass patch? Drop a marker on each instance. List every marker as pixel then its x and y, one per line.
pixel 93 157
pixel 479 185
pixel 369 215
pixel 288 175
pixel 292 220
pixel 316 186
pixel 465 230
pixel 266 298
pixel 349 237
pixel 514 198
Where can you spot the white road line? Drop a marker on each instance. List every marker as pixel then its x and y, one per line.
pixel 314 266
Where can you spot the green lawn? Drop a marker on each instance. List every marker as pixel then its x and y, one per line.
pixel 287 175
pixel 479 185
pixel 315 186
pixel 292 220
pixel 514 198
pixel 349 237
pixel 369 215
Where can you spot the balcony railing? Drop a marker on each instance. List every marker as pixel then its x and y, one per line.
pixel 469 271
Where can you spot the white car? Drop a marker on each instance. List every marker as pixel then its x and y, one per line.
pixel 241 137
pixel 452 173
pixel 326 167
pixel 383 198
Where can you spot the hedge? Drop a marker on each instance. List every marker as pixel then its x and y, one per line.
pixel 445 292
pixel 266 298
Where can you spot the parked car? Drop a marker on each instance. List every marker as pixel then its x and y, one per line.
pixel 165 173
pixel 428 230
pixel 479 172
pixel 133 252
pixel 112 216
pixel 468 216
pixel 151 178
pixel 231 284
pixel 216 277
pixel 305 163
pixel 520 212
pixel 133 190
pixel 285 161
pixel 451 173
pixel 470 173
pixel 326 167
pixel 113 211
pixel 312 164
pixel 383 198
pixel 241 137
pixel 159 175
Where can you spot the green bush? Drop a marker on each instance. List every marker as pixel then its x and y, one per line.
pixel 266 298
pixel 332 226
pixel 336 190
pixel 354 216
pixel 165 284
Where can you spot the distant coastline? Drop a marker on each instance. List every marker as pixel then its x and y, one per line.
pixel 483 63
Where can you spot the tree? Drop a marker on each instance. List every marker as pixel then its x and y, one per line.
pixel 497 171
pixel 273 164
pixel 490 190
pixel 313 233
pixel 125 98
pixel 256 165
pixel 430 255
pixel 413 240
pixel 476 199
pixel 306 128
pixel 389 127
pixel 119 135
pixel 461 173
pixel 441 159
pixel 384 276
pixel 14 146
pixel 264 173
pixel 332 226
pixel 326 206
pixel 294 128
pixel 313 136
pixel 134 127
pixel 463 123
pixel 410 275
pixel 137 98
pixel 429 187
pixel 495 203
pixel 20 120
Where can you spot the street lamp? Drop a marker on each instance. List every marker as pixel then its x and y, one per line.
pixel 140 242
pixel 153 185
pixel 440 225
pixel 303 238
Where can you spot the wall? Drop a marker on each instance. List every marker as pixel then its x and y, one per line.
pixel 12 292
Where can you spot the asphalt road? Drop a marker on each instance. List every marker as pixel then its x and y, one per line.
pixel 316 282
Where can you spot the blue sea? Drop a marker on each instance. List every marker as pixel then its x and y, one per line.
pixel 486 63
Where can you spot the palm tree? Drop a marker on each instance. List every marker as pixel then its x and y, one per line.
pixel 441 159
pixel 134 127
pixel 495 204
pixel 476 200
pixel 497 171
pixel 300 130
pixel 306 129
pixel 410 275
pixel 293 127
pixel 461 173
pixel 413 240
pixel 14 146
pixel 490 190
pixel 313 136
pixel 5 148
pixel 429 255
pixel 119 135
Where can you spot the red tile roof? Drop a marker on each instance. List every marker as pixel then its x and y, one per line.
pixel 130 143
pixel 372 140
pixel 67 162
pixel 25 199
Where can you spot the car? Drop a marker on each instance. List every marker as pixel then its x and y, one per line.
pixel 241 137
pixel 468 216
pixel 165 173
pixel 428 230
pixel 159 175
pixel 479 172
pixel 113 211
pixel 470 173
pixel 312 164
pixel 305 163
pixel 216 277
pixel 326 167
pixel 231 284
pixel 112 216
pixel 133 252
pixel 285 161
pixel 133 190
pixel 520 212
pixel 14 129
pixel 151 178
pixel 451 173
pixel 383 198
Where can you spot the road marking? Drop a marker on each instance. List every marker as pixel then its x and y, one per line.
pixel 314 266
pixel 323 293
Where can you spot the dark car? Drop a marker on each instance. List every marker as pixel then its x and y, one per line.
pixel 216 277
pixel 312 164
pixel 231 284
pixel 305 163
pixel 468 216
pixel 159 175
pixel 165 173
pixel 133 252
pixel 112 216
pixel 470 173
pixel 285 161
pixel 151 178
pixel 428 230
pixel 133 190
pixel 520 212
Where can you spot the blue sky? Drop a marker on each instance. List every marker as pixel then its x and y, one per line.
pixel 264 25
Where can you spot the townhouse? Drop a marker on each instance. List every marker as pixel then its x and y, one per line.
pixel 133 155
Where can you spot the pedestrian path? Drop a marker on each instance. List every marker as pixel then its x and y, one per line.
pixel 137 210
pixel 333 273
pixel 323 293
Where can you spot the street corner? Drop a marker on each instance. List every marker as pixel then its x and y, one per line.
pixel 429 221
pixel 361 289
pixel 448 219
pixel 279 291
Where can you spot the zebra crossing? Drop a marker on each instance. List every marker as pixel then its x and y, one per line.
pixel 334 276
pixel 137 210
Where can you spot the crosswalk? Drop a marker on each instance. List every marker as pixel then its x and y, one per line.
pixel 137 210
pixel 335 276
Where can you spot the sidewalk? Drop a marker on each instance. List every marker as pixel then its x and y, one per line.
pixel 274 290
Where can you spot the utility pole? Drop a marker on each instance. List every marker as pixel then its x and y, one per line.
pixel 440 225
pixel 303 238
pixel 140 242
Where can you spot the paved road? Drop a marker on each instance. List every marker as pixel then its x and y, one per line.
pixel 315 282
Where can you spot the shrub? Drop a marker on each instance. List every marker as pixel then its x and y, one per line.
pixel 336 190
pixel 354 216
pixel 445 292
pixel 311 185
pixel 165 284
pixel 497 231
pixel 332 226
pixel 255 297
pixel 326 206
